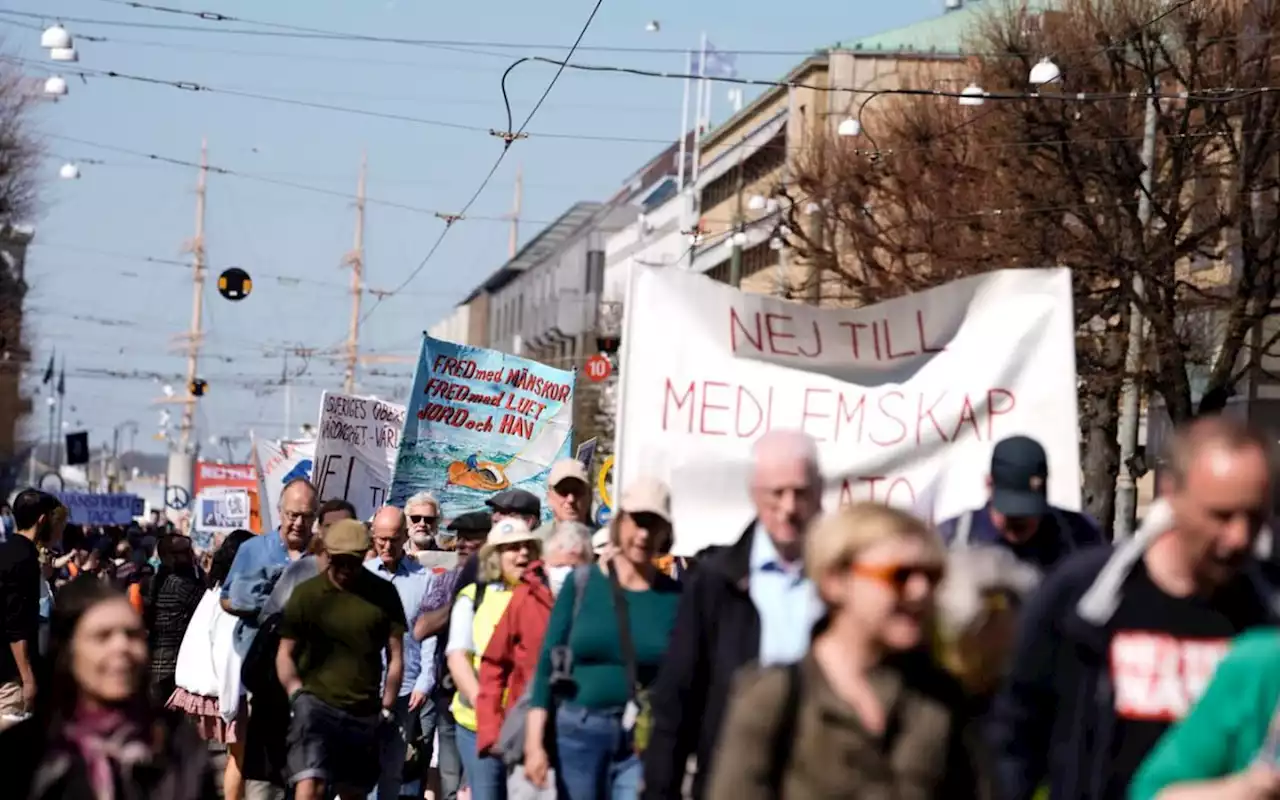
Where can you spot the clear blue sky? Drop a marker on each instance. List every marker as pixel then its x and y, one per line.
pixel 98 300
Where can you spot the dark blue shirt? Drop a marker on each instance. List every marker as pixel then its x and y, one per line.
pixel 1061 532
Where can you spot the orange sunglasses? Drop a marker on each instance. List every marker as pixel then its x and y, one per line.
pixel 898 575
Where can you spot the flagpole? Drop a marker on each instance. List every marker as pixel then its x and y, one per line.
pixel 62 401
pixel 684 122
pixel 697 121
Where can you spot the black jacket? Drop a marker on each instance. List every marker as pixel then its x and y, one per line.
pixel 717 630
pixel 181 769
pixel 1052 721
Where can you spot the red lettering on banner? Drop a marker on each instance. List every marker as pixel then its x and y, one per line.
pixel 993 412
pixel 884 418
pixel 778 334
pixel 873 488
pixel 1158 677
pixel 707 405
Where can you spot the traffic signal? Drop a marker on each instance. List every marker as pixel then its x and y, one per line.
pixel 198 387
pixel 234 284
pixel 608 344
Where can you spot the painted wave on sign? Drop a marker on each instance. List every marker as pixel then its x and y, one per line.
pixel 427 463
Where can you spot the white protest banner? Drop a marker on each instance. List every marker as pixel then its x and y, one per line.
pixel 905 398
pixel 356 450
pixel 101 509
pixel 279 462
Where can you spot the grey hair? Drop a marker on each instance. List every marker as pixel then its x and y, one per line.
pixel 787 445
pixel 422 499
pixel 569 537
pixel 297 482
pixel 973 572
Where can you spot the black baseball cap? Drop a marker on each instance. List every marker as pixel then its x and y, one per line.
pixel 1020 477
pixel 472 522
pixel 516 501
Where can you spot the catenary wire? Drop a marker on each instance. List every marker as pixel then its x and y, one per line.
pixel 512 136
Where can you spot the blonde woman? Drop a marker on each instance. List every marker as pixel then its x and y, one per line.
pixel 978 605
pixel 866 713
pixel 507 552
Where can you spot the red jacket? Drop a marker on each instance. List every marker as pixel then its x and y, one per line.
pixel 511 657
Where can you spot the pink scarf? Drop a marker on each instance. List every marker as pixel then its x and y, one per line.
pixel 104 737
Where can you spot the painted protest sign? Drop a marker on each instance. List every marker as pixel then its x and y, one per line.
pixel 481 421
pixel 905 398
pixel 102 509
pixel 356 450
pixel 212 475
pixel 279 462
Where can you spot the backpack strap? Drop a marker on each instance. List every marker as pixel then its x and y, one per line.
pixel 581 574
pixel 479 598
pixel 964 528
pixel 784 736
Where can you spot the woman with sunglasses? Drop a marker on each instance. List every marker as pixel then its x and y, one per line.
pixel 866 713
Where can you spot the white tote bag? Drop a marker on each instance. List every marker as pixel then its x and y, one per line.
pixel 194 671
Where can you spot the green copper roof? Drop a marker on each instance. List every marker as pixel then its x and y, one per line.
pixel 944 34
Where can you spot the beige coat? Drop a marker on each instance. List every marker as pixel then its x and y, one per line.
pixel 928 752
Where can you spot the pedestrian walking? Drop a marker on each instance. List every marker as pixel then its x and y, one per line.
pixel 511 658
pixel 507 552
pixel 390 534
pixel 867 712
pixel 469 531
pixel 176 592
pixel 604 643
pixel 39 518
pixel 748 602
pixel 335 629
pixel 1116 645
pixel 95 733
pixel 1018 516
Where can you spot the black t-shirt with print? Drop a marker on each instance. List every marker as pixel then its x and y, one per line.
pixel 1162 655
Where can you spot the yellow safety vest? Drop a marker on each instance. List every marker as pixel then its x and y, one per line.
pixel 483 623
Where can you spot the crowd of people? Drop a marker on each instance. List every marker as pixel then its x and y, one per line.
pixel 1011 653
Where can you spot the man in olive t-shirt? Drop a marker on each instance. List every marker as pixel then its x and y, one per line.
pixel 333 633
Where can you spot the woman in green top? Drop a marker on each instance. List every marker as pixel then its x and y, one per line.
pixel 1221 751
pixel 597 705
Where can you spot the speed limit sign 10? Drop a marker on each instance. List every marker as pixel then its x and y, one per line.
pixel 598 367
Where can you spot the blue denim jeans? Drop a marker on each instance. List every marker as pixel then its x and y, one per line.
pixel 595 756
pixel 486 776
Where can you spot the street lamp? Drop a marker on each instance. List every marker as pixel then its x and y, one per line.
pixel 972 95
pixel 849 127
pixel 1045 71
pixel 55 37
pixel 56 86
pixel 69 172
pixel 756 203
pixel 66 55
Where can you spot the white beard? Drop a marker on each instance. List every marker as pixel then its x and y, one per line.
pixel 422 542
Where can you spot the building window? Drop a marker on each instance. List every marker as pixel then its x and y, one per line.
pixel 595 271
pixel 758 166
pixel 754 259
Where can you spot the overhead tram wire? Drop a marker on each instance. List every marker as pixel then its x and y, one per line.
pixel 298 31
pixel 282 30
pixel 510 137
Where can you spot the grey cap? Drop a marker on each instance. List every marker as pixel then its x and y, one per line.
pixel 516 501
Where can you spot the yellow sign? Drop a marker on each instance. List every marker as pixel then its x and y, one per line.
pixel 602 483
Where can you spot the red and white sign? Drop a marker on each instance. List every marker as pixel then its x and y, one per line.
pixel 1158 677
pixel 598 367
pixel 905 398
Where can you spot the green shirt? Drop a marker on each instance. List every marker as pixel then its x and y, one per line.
pixel 340 635
pixel 599 674
pixel 1224 731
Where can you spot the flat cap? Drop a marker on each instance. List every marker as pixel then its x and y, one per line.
pixel 516 501
pixel 471 522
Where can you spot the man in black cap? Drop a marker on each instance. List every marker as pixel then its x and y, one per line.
pixel 516 503
pixel 1019 515
pixel 442 587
